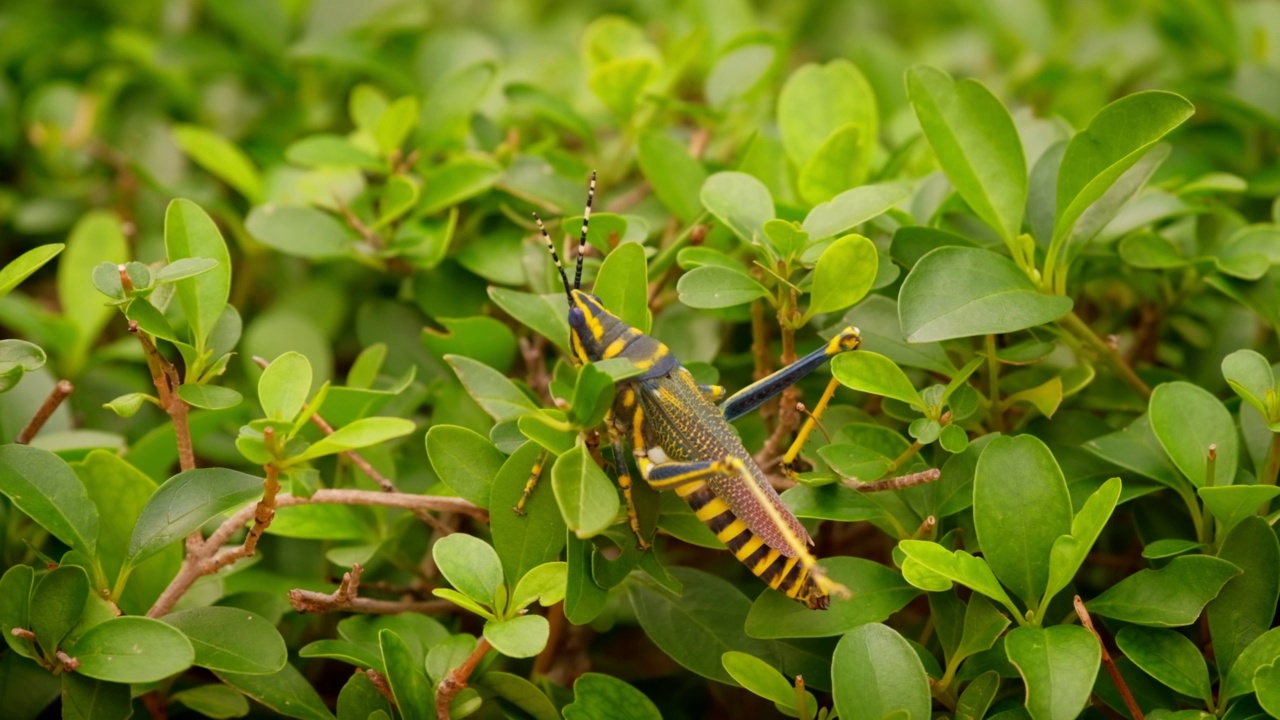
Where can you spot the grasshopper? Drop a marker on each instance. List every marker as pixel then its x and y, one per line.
pixel 682 439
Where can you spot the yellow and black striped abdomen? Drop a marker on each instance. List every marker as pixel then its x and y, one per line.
pixel 783 573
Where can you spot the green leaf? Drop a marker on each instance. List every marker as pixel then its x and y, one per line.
pixel 408 681
pixel 1020 507
pixel 839 164
pixel 56 606
pixel 977 145
pixel 524 542
pixel 21 267
pixel 876 673
pixel 1187 419
pixel 360 434
pixel 287 692
pixel 977 696
pixel 592 397
pixel 222 158
pixel 17 358
pixel 451 182
pixel 300 231
pixel 623 285
pixel 740 201
pixel 130 649
pixel 1247 603
pixel 699 626
pixel 620 83
pixel 15 607
pixel 231 639
pixel 491 389
pixel 214 701
pixel 851 208
pixel 587 497
pixel 1265 650
pixel 1169 597
pixel 983 625
pixel 1168 656
pixel 519 637
pixel 961 292
pixel 190 232
pixel 1058 664
pixel 870 372
pixel 1137 448
pixel 517 692
pixel 1234 503
pixel 185 502
pixel 602 697
pixel 359 699
pixel 1250 376
pixel 878 592
pixel 584 599
pixel 844 275
pixel 44 487
pixel 331 150
pixel 184 268
pixel 760 678
pixel 84 698
pixel 1265 684
pixel 395 123
pixel 544 584
pixel 718 287
pixel 284 385
pixel 96 238
pixel 1117 137
pixel 209 397
pixel 1069 551
pixel 546 315
pixel 1151 251
pixel 817 101
pixel 470 565
pixel 465 461
pixel 958 566
pixel 675 176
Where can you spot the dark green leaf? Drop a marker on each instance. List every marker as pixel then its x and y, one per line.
pixel 1247 604
pixel 878 592
pixel 215 701
pixel 601 697
pixel 1187 419
pixel 44 487
pixel 465 461
pixel 524 541
pixel 876 673
pixel 1168 656
pixel 409 685
pixel 1058 664
pixel 84 698
pixel 231 639
pixel 185 502
pixel 56 606
pixel 287 692
pixel 1169 597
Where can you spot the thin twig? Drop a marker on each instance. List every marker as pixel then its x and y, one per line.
pixel 1110 664
pixel 1081 329
pixel 896 483
pixel 50 404
pixel 68 662
pixel 347 598
pixel 379 682
pixel 165 377
pixel 455 681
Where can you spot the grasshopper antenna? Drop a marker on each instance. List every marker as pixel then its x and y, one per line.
pixel 582 241
pixel 552 248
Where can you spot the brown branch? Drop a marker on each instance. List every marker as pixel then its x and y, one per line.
pixel 68 662
pixel 165 377
pixel 347 598
pixel 23 633
pixel 557 622
pixel 896 483
pixel 379 682
pixel 50 404
pixel 455 681
pixel 1110 664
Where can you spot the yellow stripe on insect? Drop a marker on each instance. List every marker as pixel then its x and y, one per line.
pixel 765 562
pixel 615 348
pixel 736 528
pixel 711 509
pixel 849 339
pixel 687 490
pixel 777 580
pixel 752 545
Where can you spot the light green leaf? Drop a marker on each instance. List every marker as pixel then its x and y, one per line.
pixel 1187 419
pixel 359 434
pixel 713 286
pixel 222 158
pixel 958 566
pixel 284 385
pixel 1250 376
pixel 977 144
pixel 189 232
pixel 845 272
pixel 852 208
pixel 838 165
pixel 520 637
pixel 408 680
pixel 21 267
pixel 740 201
pixel 524 542
pixel 1117 137
pixel 760 678
pixel 620 83
pixel 464 460
pixel 623 285
pixel 300 231
pixel 1069 551
pixel 209 397
pixel 395 124
pixel 1058 664
pixel 817 101
pixel 491 389
pixel 1234 503
pixel 57 603
pixel 875 673
pixel 874 373
pixel 544 583
pixel 470 565
pixel 675 176
pixel 961 292
pixel 587 497
pixel 184 268
pixel 95 239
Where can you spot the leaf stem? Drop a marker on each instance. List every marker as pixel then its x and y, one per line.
pixel 996 418
pixel 1110 664
pixel 1073 323
pixel 1193 508
pixel 47 408
pixel 455 681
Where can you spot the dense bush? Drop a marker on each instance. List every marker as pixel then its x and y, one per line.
pixel 1062 266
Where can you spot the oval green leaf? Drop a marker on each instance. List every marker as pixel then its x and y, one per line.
pixel 130 649
pixel 231 639
pixel 587 497
pixel 875 673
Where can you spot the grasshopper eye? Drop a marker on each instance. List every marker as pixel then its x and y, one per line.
pixel 576 318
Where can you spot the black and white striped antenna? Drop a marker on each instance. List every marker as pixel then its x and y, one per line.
pixel 582 241
pixel 551 247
